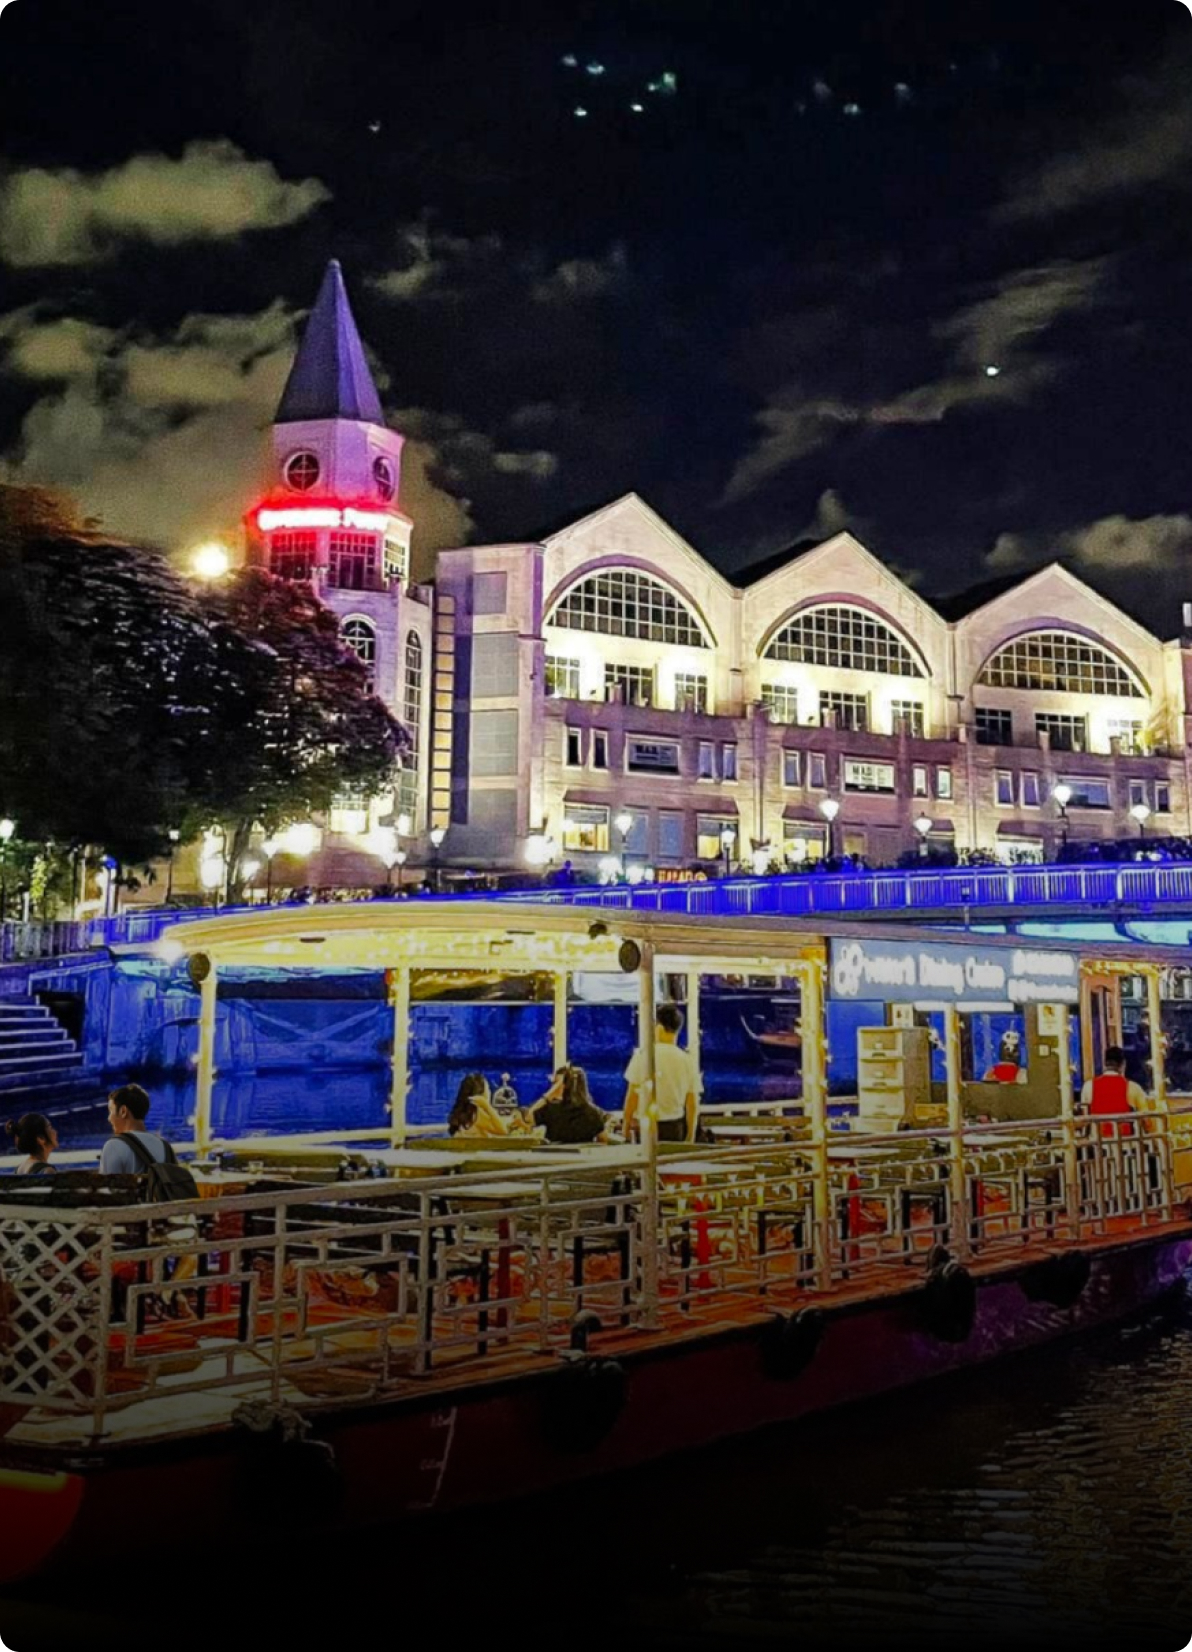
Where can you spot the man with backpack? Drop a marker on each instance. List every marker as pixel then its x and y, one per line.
pixel 135 1151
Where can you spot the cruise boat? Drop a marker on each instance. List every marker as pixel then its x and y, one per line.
pixel 352 1327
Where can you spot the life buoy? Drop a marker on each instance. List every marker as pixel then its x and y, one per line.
pixel 790 1341
pixel 950 1301
pixel 582 1402
pixel 1060 1280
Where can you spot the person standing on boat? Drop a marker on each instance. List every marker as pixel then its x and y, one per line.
pixel 128 1108
pixel 1113 1095
pixel 34 1135
pixel 677 1084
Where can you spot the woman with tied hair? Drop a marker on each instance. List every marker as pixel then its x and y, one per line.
pixel 567 1111
pixel 35 1136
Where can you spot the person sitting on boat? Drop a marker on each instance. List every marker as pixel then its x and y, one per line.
pixel 473 1113
pixel 677 1084
pixel 567 1111
pixel 33 1135
pixel 1006 1069
pixel 1113 1095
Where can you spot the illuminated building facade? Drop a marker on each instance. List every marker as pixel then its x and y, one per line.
pixel 605 695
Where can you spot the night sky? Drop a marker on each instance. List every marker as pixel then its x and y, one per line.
pixel 918 270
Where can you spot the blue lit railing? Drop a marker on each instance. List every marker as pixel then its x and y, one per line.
pixel 953 890
pixel 1138 886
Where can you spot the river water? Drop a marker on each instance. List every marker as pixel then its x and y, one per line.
pixel 1046 1502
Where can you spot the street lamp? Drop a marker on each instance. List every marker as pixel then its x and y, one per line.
pixel 269 847
pixel 174 835
pixel 923 825
pixel 399 860
pixel 1141 813
pixel 538 850
pixel 830 808
pixel 1062 796
pixel 437 834
pixel 211 561
pixel 7 828
pixel 728 835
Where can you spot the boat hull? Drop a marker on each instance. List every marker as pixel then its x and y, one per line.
pixel 526 1434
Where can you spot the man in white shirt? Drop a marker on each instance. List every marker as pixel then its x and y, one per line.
pixel 677 1084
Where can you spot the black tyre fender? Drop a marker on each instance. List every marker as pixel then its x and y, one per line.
pixel 284 1473
pixel 1060 1280
pixel 950 1302
pixel 582 1401
pixel 790 1341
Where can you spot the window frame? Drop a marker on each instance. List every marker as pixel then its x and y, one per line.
pixel 843 637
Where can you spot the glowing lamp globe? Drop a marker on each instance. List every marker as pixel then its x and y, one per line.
pixel 211 561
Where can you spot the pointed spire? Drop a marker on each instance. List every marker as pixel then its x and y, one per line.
pixel 330 377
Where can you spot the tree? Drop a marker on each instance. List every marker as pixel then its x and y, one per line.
pixel 106 683
pixel 296 723
pixel 132 705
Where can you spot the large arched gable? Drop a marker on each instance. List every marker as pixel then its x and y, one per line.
pixel 844 634
pixel 626 597
pixel 1062 659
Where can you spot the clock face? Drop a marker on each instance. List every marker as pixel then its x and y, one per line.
pixel 383 477
pixel 301 470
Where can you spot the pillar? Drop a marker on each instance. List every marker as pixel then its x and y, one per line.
pixel 400 1070
pixel 205 1073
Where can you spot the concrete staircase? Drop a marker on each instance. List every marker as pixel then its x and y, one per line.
pixel 36 1053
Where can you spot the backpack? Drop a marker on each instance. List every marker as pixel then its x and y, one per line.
pixel 162 1184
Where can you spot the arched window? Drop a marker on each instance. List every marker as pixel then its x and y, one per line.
pixel 1060 661
pixel 360 635
pixel 852 639
pixel 620 602
pixel 412 701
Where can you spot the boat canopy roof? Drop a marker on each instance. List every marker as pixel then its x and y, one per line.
pixel 376 935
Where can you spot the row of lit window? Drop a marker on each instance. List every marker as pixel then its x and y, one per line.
pixel 995 727
pixel 1083 791
pixel 352 562
pixel 714 760
pixel 848 639
pixel 590 828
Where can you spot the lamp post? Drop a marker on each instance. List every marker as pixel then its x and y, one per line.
pixel 728 836
pixel 7 828
pixel 437 834
pixel 399 860
pixel 624 824
pixel 1062 796
pixel 1141 813
pixel 269 848
pixel 923 825
pixel 830 808
pixel 249 867
pixel 174 834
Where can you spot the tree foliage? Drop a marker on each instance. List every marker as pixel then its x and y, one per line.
pixel 297 723
pixel 130 704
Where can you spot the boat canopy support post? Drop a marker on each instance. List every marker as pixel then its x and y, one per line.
pixel 815 1105
pixel 1154 1012
pixel 648 1114
pixel 559 1025
pixel 693 1030
pixel 399 1082
pixel 958 1195
pixel 1063 1024
pixel 205 1073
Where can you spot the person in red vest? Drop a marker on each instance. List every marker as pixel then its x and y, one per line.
pixel 1113 1095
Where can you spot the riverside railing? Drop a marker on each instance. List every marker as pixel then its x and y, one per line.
pixel 384 1286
